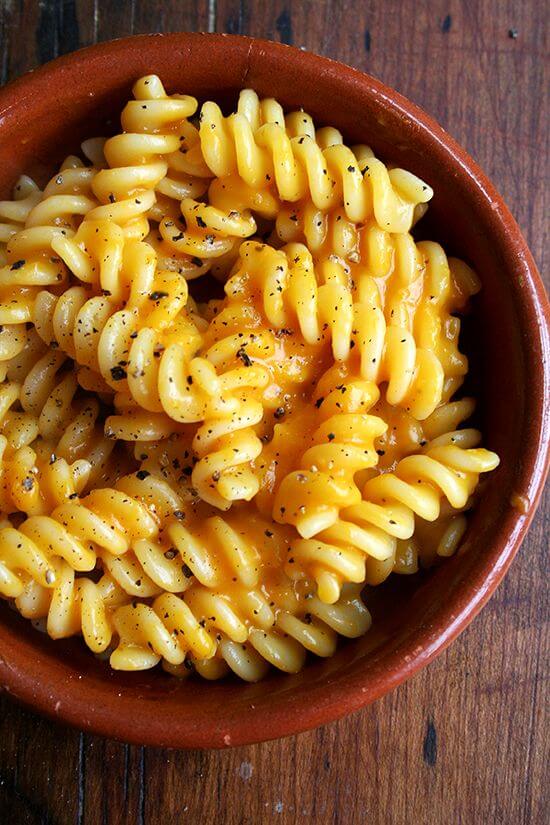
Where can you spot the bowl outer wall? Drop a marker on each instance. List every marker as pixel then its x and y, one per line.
pixel 63 97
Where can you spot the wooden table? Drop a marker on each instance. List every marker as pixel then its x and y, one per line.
pixel 463 742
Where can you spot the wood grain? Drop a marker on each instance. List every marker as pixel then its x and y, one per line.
pixel 463 742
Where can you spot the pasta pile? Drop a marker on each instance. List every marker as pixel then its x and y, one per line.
pixel 211 485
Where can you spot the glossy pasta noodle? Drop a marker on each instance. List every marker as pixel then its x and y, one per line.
pixel 212 484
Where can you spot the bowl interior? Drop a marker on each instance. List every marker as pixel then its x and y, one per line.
pixel 413 617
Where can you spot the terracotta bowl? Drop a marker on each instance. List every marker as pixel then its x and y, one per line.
pixel 44 115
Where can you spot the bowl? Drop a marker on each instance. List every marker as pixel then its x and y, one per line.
pixel 44 115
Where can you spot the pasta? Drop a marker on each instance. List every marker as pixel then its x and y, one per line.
pixel 213 484
pixel 262 146
pixel 246 651
pixel 73 605
pixel 68 422
pixel 448 467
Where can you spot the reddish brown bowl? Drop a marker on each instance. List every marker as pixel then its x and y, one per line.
pixel 44 115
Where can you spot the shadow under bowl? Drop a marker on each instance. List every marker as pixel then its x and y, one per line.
pixel 44 116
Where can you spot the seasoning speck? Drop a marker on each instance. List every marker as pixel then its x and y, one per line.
pixel 118 373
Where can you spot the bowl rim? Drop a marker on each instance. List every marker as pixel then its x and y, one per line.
pixel 336 697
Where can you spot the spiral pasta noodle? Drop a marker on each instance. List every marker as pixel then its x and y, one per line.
pixel 243 629
pixel 245 626
pixel 246 651
pixel 216 391
pixel 414 285
pixel 321 304
pixel 448 467
pixel 136 158
pixel 311 497
pixel 228 389
pixel 105 518
pixel 156 171
pixel 13 213
pixel 54 213
pixel 263 147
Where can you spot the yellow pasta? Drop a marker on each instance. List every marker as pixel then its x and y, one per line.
pixel 13 213
pixel 117 332
pixel 147 635
pixel 106 519
pixel 257 144
pixel 73 605
pixel 321 303
pixel 206 477
pixel 341 446
pixel 447 467
pixel 67 421
pixel 205 232
pixel 415 286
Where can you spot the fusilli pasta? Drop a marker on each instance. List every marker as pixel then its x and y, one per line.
pixel 210 483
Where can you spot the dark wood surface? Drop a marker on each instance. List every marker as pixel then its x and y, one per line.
pixel 463 742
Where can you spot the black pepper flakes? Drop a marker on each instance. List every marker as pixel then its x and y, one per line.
pixel 245 358
pixel 118 373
